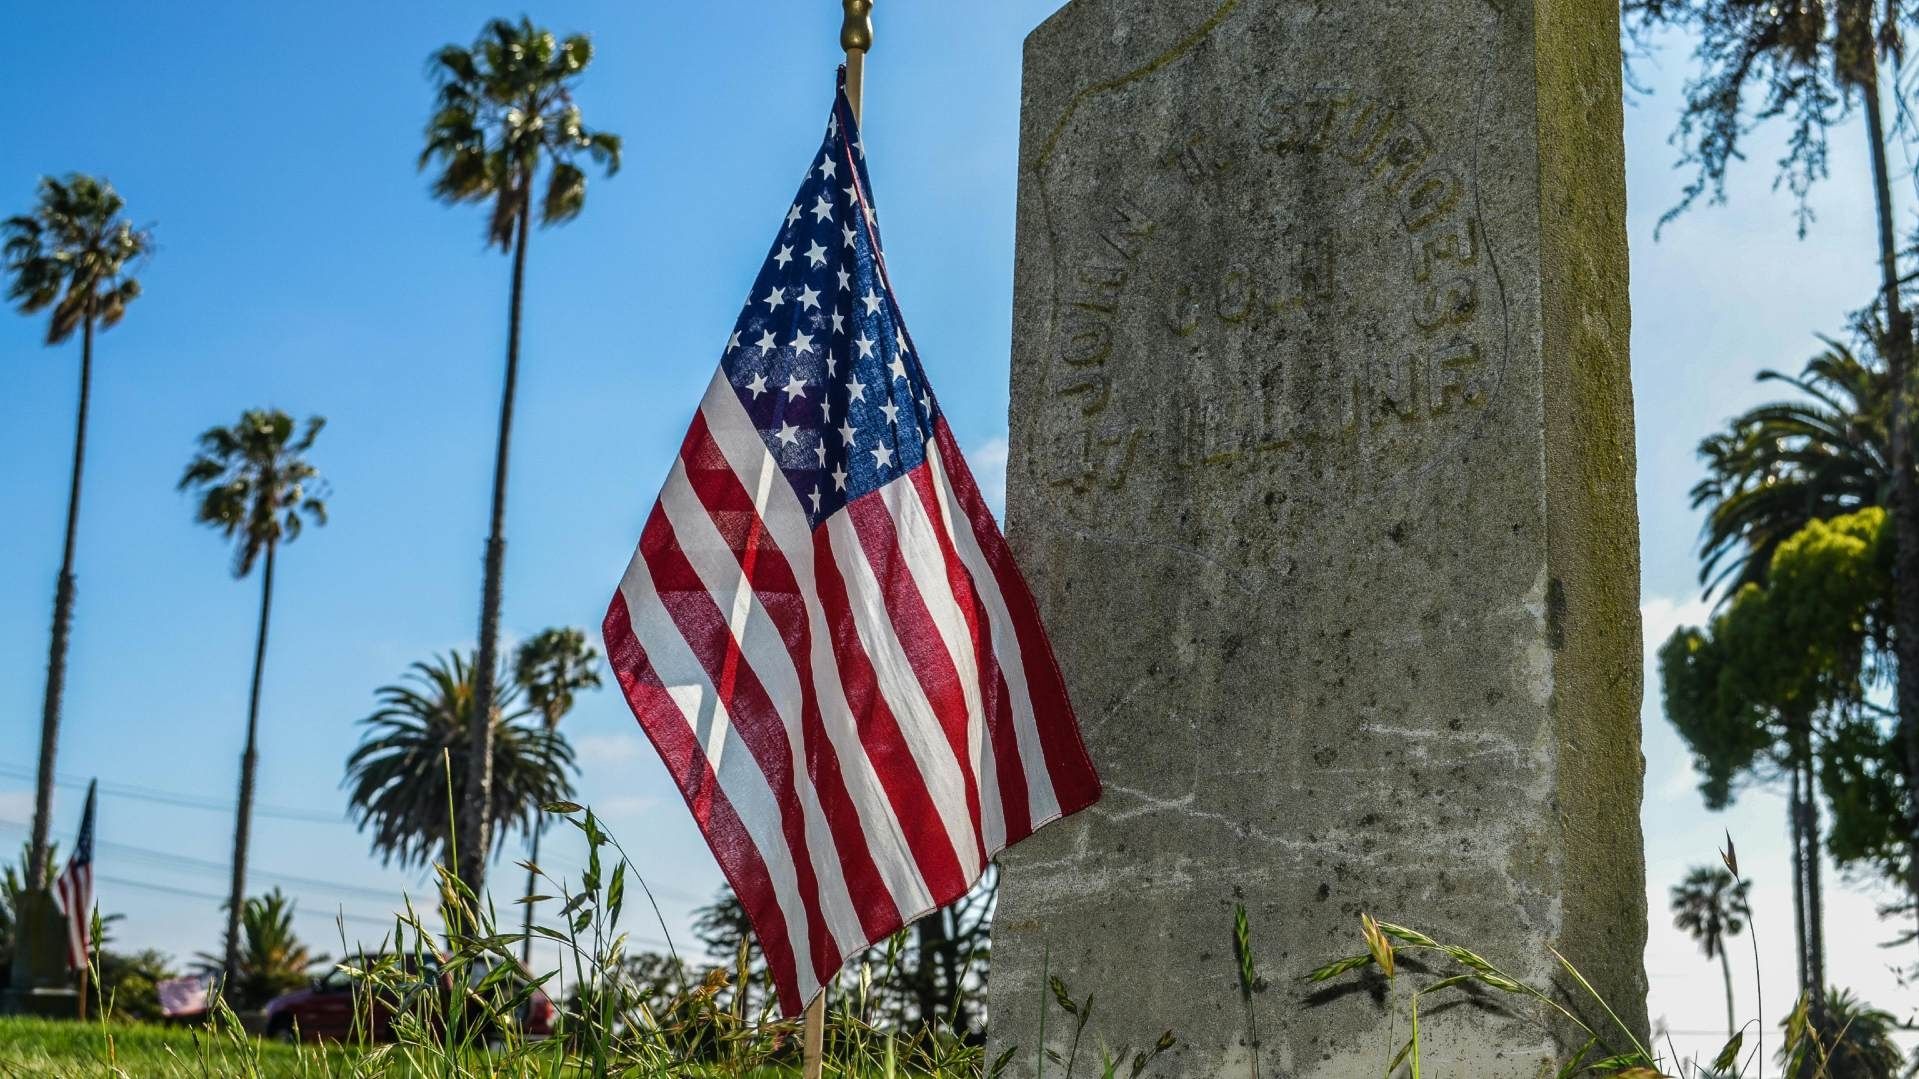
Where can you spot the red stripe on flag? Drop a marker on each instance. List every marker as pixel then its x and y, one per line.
pixel 919 636
pixel 1075 780
pixel 665 725
pixel 995 697
pixel 773 584
pixel 758 723
pixel 879 728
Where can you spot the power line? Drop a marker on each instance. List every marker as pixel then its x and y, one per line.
pixel 189 893
pixel 174 798
pixel 165 858
pixel 369 919
pixel 168 858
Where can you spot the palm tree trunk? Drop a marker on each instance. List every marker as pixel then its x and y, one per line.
pixel 1797 822
pixel 532 881
pixel 1905 497
pixel 249 758
pixel 62 629
pixel 1815 890
pixel 479 779
pixel 1725 967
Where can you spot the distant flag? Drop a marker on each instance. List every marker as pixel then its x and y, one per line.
pixel 74 890
pixel 823 631
pixel 182 997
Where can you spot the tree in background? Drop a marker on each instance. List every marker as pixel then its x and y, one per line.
pixel 1710 905
pixel 254 485
pixel 1760 692
pixel 272 959
pixel 1860 1045
pixel 73 255
pixel 397 778
pixel 553 665
pixel 1806 62
pixel 930 974
pixel 504 111
pixel 129 982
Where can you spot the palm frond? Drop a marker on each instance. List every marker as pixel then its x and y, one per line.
pixel 73 256
pixel 254 485
pixel 1782 464
pixel 397 777
pixel 503 107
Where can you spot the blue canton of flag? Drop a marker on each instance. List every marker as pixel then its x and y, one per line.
pixel 820 355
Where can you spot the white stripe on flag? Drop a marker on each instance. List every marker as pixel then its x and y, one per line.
pixel 764 651
pixel 787 527
pixel 920 548
pixel 739 776
pixel 900 685
pixel 1044 804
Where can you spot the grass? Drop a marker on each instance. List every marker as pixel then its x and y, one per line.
pixel 701 1027
pixel 60 1049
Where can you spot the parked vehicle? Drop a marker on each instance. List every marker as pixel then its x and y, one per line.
pixel 333 1008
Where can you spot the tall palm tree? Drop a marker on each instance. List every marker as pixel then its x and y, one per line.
pixel 397 778
pixel 504 112
pixel 553 666
pixel 74 255
pixel 273 959
pixel 1710 905
pixel 255 486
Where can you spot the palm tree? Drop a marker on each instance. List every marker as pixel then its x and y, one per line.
pixel 1855 1043
pixel 74 254
pixel 397 778
pixel 553 666
pixel 1710 905
pixel 505 108
pixel 273 959
pixel 254 486
pixel 1780 466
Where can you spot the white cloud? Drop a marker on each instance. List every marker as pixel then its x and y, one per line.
pixel 1660 615
pixel 627 805
pixel 600 749
pixel 989 468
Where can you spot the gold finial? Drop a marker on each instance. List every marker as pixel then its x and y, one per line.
pixel 856 33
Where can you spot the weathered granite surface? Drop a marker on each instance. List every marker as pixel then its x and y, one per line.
pixel 1322 467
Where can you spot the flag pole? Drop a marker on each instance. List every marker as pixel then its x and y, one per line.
pixel 856 37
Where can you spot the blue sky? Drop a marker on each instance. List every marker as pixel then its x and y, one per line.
pixel 302 265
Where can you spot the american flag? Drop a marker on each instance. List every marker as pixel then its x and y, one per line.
pixel 823 631
pixel 74 890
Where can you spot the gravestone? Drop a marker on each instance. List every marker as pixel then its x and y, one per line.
pixel 1322 468
pixel 38 981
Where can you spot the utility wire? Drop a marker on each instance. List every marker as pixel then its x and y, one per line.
pixel 189 893
pixel 174 798
pixel 164 857
pixel 168 858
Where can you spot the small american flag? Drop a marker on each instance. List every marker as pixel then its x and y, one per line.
pixel 823 631
pixel 182 997
pixel 74 890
